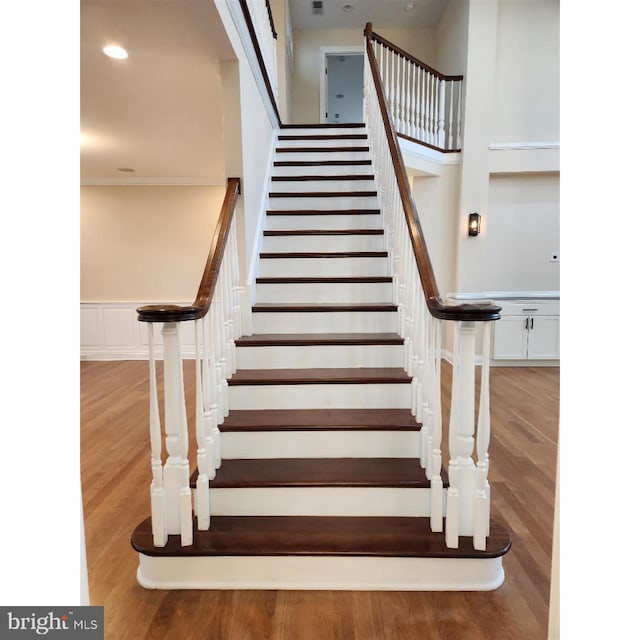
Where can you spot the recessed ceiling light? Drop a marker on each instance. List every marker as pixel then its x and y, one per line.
pixel 347 7
pixel 126 169
pixel 410 6
pixel 114 51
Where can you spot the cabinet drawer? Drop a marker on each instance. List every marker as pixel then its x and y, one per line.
pixel 530 307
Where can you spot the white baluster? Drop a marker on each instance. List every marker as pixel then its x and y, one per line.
pixel 458 119
pixel 157 489
pixel 210 398
pixel 453 494
pixel 421 127
pixel 483 490
pixel 450 145
pixel 441 115
pixel 176 469
pixel 203 509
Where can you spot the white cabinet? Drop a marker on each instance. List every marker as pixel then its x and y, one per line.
pixel 527 330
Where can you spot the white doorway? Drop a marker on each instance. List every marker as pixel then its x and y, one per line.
pixel 342 85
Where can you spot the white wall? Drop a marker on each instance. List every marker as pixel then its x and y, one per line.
pixel 527 77
pixel 522 231
pixel 437 201
pixel 451 39
pixel 145 243
pixel 305 89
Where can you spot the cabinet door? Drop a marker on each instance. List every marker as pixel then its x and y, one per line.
pixel 544 338
pixel 510 338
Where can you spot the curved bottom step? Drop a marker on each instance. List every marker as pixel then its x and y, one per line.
pixel 352 553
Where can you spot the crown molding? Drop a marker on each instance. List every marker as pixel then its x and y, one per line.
pixel 192 182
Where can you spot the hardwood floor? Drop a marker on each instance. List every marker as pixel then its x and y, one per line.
pixel 115 479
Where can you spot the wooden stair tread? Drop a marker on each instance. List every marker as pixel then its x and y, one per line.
pixel 308 339
pixel 273 307
pixel 316 125
pixel 320 149
pixel 325 279
pixel 322 194
pixel 320 536
pixel 321 163
pixel 323 212
pixel 324 232
pixel 325 254
pixel 321 178
pixel 319 420
pixel 319 472
pixel 325 136
pixel 369 375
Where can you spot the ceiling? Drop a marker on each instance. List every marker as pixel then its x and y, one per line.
pixel 382 13
pixel 157 112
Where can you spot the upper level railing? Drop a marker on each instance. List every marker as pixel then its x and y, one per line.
pixel 424 104
pixel 217 322
pixel 422 317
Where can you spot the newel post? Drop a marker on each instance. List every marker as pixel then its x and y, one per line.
pixel 460 502
pixel 176 469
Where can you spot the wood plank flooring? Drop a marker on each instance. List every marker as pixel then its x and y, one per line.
pixel 116 477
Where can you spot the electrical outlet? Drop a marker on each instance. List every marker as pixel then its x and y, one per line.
pixel 554 257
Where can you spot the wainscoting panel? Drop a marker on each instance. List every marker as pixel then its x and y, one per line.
pixel 111 331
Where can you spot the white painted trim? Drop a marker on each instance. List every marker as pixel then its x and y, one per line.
pixel 259 237
pixel 320 573
pixel 499 146
pixel 162 182
pixel 332 50
pixel 233 9
pixel 505 295
pixel 425 160
pixel 447 355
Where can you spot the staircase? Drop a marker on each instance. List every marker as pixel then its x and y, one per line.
pixel 320 485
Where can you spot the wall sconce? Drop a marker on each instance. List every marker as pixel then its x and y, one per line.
pixel 474 224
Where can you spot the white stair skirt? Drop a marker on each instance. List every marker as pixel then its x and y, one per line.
pixel 241 445
pixel 321 501
pixel 321 396
pixel 320 573
pixel 317 322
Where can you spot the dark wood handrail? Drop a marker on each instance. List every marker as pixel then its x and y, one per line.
pixel 404 54
pixel 263 69
pixel 200 306
pixel 273 27
pixel 472 312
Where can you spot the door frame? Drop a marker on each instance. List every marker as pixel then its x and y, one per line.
pixel 324 52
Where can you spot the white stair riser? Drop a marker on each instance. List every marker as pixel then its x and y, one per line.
pixel 323 221
pixel 242 445
pixel 329 267
pixel 317 322
pixel 324 203
pixel 317 356
pixel 321 154
pixel 321 396
pixel 321 501
pixel 322 185
pixel 332 143
pixel 329 292
pixel 320 573
pixel 324 131
pixel 322 170
pixel 323 243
